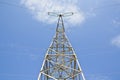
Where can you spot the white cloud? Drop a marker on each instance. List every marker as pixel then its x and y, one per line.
pixel 117 1
pixel 98 77
pixel 40 8
pixel 116 22
pixel 116 41
pixel 34 56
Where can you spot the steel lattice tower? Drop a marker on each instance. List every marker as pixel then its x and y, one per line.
pixel 60 61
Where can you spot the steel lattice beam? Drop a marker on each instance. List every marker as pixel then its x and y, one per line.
pixel 60 61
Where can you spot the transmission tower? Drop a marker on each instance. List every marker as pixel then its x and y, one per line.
pixel 60 61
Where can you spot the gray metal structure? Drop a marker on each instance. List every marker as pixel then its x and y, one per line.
pixel 60 61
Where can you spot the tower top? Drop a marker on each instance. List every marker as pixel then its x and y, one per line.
pixel 60 25
pixel 58 14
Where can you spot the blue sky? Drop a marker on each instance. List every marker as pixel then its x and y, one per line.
pixel 25 39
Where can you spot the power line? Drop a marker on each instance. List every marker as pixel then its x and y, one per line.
pixel 97 8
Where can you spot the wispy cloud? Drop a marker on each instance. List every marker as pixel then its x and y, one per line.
pixel 98 77
pixel 116 22
pixel 116 41
pixel 40 8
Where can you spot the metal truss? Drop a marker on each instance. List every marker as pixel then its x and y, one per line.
pixel 60 61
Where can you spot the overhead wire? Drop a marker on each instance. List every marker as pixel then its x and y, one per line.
pixel 97 8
